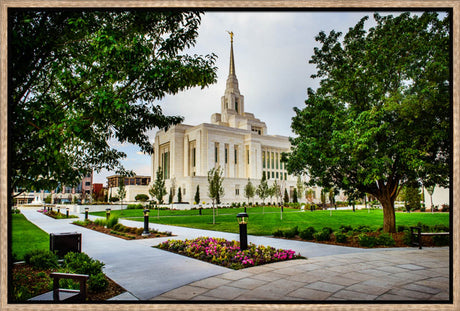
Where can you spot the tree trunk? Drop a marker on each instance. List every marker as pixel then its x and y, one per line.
pixel 389 220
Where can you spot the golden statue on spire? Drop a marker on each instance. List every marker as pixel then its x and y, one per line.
pixel 231 35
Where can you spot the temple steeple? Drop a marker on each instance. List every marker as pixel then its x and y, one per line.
pixel 232 104
pixel 232 101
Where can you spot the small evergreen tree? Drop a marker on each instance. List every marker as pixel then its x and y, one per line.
pixel 179 195
pixel 197 194
pixel 170 198
pixel 294 196
pixel 286 196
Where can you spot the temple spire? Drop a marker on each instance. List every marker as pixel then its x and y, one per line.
pixel 232 63
pixel 232 81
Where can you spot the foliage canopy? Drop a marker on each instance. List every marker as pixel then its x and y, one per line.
pixel 83 79
pixel 381 115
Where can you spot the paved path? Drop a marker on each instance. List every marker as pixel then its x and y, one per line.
pixel 330 273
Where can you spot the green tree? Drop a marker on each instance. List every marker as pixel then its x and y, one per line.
pixel 179 195
pixel 197 194
pixel 170 198
pixel 300 187
pixel 158 189
pixel 286 196
pixel 381 114
pixel 82 78
pixel 294 196
pixel 263 190
pixel 275 190
pixel 249 190
pixel 309 195
pixel 121 189
pixel 411 196
pixel 215 187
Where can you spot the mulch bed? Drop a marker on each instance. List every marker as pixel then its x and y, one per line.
pixel 27 277
pixel 131 234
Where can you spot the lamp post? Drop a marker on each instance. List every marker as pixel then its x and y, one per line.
pixel 107 213
pixel 243 220
pixel 67 212
pixel 86 213
pixel 146 223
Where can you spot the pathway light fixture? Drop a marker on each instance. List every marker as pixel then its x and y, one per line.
pixel 243 221
pixel 146 223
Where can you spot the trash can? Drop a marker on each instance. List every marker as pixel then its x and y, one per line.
pixel 65 242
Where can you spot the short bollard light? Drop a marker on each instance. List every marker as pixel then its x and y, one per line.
pixel 86 213
pixel 200 209
pixel 59 210
pixel 146 223
pixel 67 212
pixel 243 220
pixel 107 213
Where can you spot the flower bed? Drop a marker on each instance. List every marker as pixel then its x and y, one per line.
pixel 227 253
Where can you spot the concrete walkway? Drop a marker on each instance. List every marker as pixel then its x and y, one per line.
pixel 330 272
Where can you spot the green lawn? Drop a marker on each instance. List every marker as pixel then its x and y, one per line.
pixel 26 237
pixel 267 223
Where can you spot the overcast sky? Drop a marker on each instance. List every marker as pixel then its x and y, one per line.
pixel 271 51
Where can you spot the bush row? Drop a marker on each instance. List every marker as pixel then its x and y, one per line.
pixel 361 234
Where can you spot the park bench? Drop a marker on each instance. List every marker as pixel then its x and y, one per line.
pixel 62 294
pixel 69 295
pixel 418 234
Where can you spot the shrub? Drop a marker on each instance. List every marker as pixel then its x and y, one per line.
pixel 402 228
pixel 440 240
pixel 278 233
pixel 112 221
pixel 440 228
pixel 407 238
pixel 365 240
pixel 41 259
pixel 363 228
pixel 327 229
pixel 307 234
pixel 385 239
pixel 100 222
pixel 291 232
pixel 322 235
pixel 113 199
pixel 97 283
pixel 118 227
pixel 425 228
pixel 81 263
pixel 141 197
pixel 345 229
pixel 134 206
pixel 340 237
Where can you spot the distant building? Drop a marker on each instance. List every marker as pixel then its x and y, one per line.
pixel 62 194
pixel 134 185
